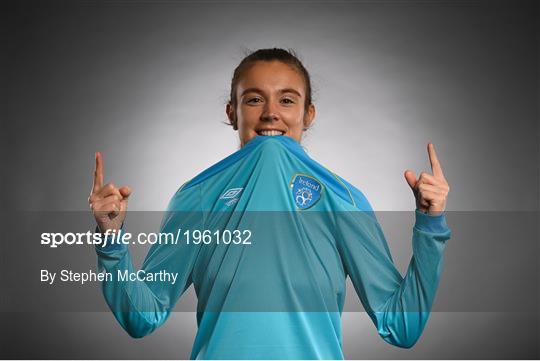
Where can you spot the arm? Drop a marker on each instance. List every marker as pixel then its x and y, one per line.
pixel 141 307
pixel 398 306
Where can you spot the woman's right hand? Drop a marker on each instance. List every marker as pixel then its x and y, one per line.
pixel 107 202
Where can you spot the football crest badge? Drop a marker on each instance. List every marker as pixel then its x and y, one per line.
pixel 306 190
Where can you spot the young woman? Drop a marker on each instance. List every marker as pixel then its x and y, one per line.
pixel 281 234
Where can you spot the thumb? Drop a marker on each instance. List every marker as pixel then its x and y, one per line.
pixel 410 177
pixel 125 191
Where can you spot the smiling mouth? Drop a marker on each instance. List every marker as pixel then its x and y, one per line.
pixel 270 133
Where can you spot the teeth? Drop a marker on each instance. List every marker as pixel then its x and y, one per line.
pixel 270 132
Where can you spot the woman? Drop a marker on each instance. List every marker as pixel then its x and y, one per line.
pixel 277 290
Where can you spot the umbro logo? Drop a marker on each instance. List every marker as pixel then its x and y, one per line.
pixel 231 193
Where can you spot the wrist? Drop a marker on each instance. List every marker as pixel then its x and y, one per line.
pixel 433 223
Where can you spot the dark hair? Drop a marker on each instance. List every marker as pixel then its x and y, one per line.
pixel 287 57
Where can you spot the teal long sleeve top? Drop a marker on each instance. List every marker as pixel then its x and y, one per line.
pixel 283 234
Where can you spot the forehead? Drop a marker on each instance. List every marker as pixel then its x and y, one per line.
pixel 271 74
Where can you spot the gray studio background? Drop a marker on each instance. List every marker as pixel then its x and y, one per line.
pixel 146 84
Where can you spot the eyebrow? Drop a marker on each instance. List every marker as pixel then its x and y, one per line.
pixel 281 91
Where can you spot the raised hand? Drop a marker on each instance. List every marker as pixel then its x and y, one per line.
pixel 430 190
pixel 107 202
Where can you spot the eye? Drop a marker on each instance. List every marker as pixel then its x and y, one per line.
pixel 252 100
pixel 288 101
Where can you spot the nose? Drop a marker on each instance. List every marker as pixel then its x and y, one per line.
pixel 269 113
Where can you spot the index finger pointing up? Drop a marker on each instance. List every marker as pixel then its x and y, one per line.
pixel 435 165
pixel 98 173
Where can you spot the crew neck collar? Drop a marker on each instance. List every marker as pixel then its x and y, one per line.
pixel 289 142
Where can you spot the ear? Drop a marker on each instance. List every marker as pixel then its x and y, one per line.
pixel 231 115
pixel 309 117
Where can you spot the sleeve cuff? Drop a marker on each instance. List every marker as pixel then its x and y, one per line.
pixel 430 223
pixel 111 246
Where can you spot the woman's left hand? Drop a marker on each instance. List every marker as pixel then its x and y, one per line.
pixel 430 190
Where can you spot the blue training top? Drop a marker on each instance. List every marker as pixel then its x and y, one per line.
pixel 282 233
